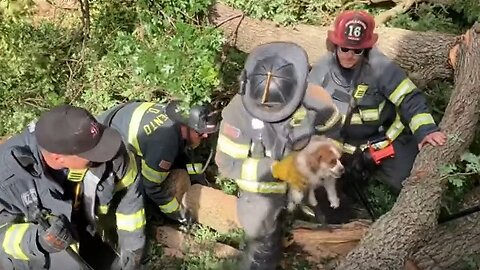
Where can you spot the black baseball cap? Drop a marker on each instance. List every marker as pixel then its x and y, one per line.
pixel 70 130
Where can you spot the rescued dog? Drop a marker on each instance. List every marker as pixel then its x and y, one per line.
pixel 319 162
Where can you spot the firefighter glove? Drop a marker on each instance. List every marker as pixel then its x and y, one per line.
pixel 128 260
pixel 286 170
pixel 199 179
pixel 182 215
pixel 58 236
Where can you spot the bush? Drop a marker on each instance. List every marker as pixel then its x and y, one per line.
pixel 149 50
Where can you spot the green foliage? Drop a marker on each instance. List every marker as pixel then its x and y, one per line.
pixel 460 178
pixel 289 11
pixel 380 197
pixel 15 9
pixel 423 17
pixel 137 50
pixel 33 70
pixel 469 8
pixel 227 185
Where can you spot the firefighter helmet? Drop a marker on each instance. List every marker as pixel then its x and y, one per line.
pixel 201 118
pixel 353 29
pixel 274 80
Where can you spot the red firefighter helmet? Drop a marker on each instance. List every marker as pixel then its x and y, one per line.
pixel 353 29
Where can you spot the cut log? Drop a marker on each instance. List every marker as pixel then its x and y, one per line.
pixel 318 245
pixel 212 207
pixel 179 243
pixel 423 54
pixel 395 236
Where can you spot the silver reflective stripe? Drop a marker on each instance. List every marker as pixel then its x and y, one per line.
pixel 90 183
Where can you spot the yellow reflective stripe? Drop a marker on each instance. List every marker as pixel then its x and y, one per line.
pixel 153 175
pixel 13 241
pixel 75 247
pixel 103 209
pixel 298 116
pixel 134 125
pixel 392 133
pixel 130 175
pixel 380 108
pixel 76 175
pixel 262 187
pixel 194 168
pixel 334 118
pixel 170 207
pixel 403 89
pixel 348 148
pixel 369 115
pixel 235 150
pixel 131 222
pixel 395 129
pixel 419 120
pixel 249 169
pixel 355 120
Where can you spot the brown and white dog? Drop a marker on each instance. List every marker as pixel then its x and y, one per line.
pixel 319 162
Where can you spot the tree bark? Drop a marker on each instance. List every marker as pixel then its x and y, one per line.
pixel 446 247
pixel 452 243
pixel 424 55
pixel 395 236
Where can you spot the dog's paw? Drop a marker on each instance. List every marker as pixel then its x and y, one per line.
pixel 291 206
pixel 335 203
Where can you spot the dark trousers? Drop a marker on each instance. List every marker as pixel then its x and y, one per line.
pixel 262 217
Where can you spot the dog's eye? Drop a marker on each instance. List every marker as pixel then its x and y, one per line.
pixel 333 162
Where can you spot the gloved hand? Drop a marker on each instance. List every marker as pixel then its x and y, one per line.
pixel 128 260
pixel 183 217
pixel 199 179
pixel 58 236
pixel 286 170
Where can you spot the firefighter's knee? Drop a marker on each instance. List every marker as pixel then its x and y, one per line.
pixel 259 213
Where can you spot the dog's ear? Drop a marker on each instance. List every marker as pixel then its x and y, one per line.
pixel 313 160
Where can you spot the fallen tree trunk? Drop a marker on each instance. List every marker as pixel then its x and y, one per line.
pixel 446 247
pixel 453 243
pixel 398 234
pixel 425 55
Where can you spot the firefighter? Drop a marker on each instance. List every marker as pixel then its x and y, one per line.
pixel 386 117
pixel 273 115
pixel 58 178
pixel 164 139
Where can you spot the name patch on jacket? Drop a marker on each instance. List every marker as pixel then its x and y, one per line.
pixel 29 197
pixel 360 91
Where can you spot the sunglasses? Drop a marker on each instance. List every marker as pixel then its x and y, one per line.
pixel 355 51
